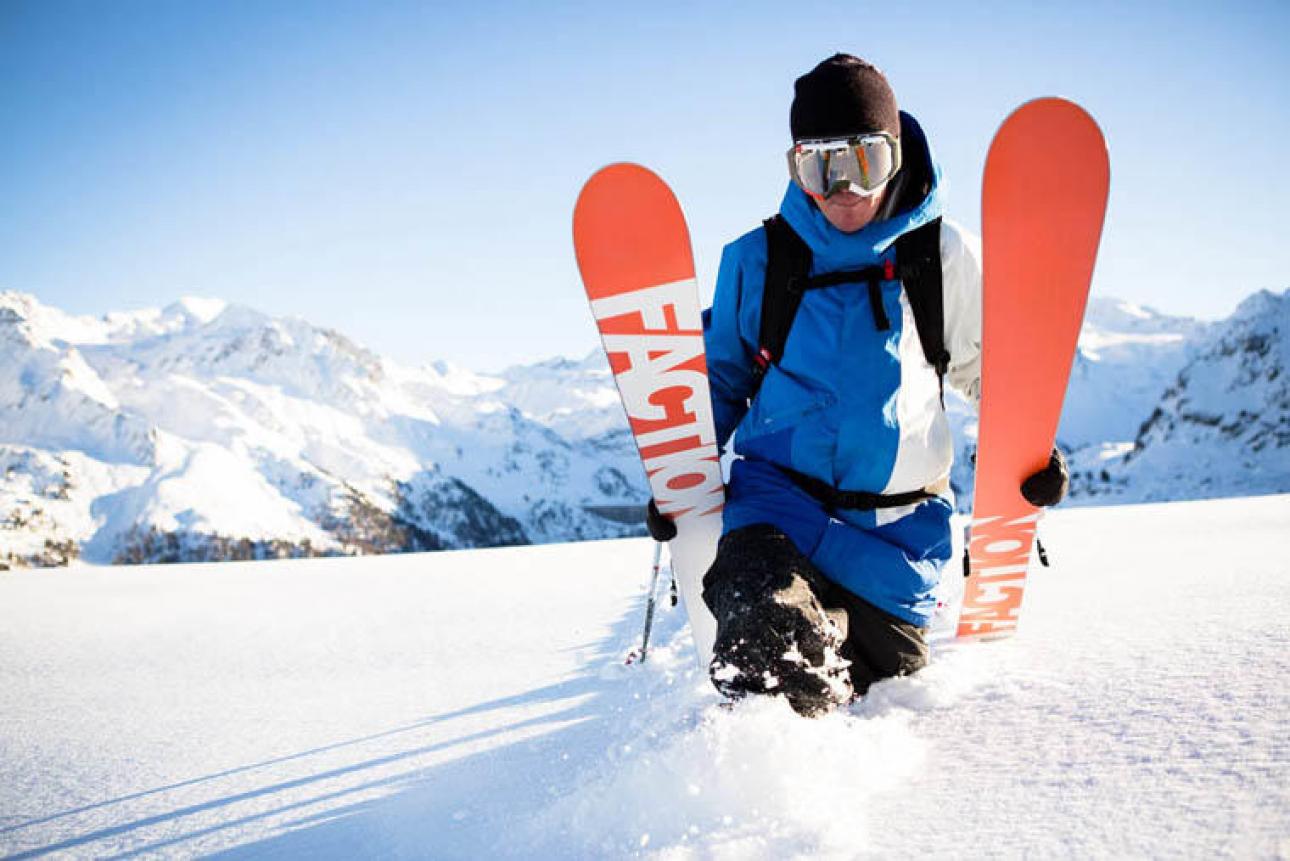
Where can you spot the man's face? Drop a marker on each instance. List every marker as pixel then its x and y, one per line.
pixel 848 211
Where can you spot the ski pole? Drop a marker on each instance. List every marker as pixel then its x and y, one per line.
pixel 649 604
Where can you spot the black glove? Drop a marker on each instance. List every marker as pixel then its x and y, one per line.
pixel 660 526
pixel 1048 486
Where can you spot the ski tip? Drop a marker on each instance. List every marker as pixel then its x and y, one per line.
pixel 1051 104
pixel 1050 149
pixel 612 182
pixel 1056 115
pixel 629 231
pixel 622 171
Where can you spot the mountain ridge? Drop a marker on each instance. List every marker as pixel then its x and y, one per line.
pixel 207 430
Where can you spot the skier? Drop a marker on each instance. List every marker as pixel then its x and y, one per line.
pixel 837 522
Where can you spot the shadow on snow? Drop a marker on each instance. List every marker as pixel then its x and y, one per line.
pixel 450 809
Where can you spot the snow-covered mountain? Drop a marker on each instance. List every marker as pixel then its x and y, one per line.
pixel 1138 370
pixel 1222 426
pixel 576 399
pixel 1127 356
pixel 209 431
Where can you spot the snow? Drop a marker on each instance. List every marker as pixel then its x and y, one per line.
pixel 307 422
pixel 1094 342
pixel 475 704
pixel 1223 428
pixel 205 489
pixel 1127 357
pixel 1159 407
pixel 577 399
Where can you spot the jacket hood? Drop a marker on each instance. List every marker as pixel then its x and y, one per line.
pixel 914 199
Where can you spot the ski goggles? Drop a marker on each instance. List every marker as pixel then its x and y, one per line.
pixel 862 163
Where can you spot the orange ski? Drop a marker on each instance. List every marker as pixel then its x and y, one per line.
pixel 1042 206
pixel 633 251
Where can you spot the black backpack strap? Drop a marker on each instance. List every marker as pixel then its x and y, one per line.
pixel 788 268
pixel 788 265
pixel 918 254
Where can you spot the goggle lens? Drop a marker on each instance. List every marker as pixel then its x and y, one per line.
pixel 863 164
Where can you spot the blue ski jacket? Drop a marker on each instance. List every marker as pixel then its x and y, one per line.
pixel 847 403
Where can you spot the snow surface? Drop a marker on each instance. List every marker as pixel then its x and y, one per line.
pixel 475 704
pixel 157 418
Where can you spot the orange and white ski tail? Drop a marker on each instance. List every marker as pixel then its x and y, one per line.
pixel 1043 201
pixel 633 251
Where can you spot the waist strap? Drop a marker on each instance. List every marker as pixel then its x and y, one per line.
pixel 832 497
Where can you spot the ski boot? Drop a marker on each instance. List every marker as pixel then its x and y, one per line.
pixel 774 636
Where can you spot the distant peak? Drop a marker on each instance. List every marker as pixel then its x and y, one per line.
pixel 593 361
pixel 1138 311
pixel 1112 314
pixel 20 303
pixel 198 308
pixel 1262 302
pixel 1110 305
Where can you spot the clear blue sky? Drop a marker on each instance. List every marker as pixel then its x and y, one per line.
pixel 405 172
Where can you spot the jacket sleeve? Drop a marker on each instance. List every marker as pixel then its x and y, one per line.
pixel 961 268
pixel 729 355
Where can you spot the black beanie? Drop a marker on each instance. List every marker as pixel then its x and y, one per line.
pixel 842 96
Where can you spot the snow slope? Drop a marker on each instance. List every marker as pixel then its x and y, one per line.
pixel 206 431
pixel 1223 427
pixel 1128 355
pixel 475 704
pixel 1140 382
